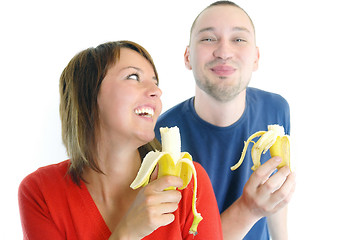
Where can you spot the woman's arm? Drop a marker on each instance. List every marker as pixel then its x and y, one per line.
pixel 35 217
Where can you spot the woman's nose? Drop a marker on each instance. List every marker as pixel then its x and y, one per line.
pixel 153 90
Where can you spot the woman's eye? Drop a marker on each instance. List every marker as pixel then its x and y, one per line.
pixel 133 76
pixel 157 82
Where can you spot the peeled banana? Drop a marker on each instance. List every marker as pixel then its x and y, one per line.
pixel 171 161
pixel 275 140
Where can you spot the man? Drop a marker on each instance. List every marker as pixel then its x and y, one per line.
pixel 222 54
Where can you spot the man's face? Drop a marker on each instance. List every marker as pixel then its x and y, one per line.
pixel 222 52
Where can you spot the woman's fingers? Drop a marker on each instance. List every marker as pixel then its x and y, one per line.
pixel 165 182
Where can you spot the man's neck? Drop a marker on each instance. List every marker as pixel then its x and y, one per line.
pixel 221 114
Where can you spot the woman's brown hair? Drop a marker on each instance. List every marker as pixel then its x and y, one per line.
pixel 80 82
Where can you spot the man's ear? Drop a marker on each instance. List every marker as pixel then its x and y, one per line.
pixel 186 59
pixel 256 61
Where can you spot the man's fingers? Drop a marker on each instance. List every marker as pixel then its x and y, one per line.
pixel 282 195
pixel 264 171
pixel 285 192
pixel 276 180
pixel 267 192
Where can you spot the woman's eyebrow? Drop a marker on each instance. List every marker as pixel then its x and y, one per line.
pixel 139 70
pixel 136 68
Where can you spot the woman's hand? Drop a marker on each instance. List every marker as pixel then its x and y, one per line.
pixel 152 208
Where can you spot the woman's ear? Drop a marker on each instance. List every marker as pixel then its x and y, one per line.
pixel 186 59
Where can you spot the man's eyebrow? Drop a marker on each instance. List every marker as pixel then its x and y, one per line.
pixel 208 29
pixel 212 29
pixel 241 29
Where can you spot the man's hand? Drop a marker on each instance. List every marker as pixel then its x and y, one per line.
pixel 263 195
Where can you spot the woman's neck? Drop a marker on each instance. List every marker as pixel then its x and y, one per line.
pixel 119 166
pixel 111 190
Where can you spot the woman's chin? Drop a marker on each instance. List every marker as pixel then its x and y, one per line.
pixel 146 137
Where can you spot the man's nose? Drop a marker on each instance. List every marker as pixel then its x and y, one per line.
pixel 224 50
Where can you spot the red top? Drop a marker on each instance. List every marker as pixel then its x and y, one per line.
pixel 53 207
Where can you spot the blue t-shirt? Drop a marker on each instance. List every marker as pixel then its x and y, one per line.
pixel 219 148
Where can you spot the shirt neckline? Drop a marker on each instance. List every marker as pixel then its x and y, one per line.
pixel 212 126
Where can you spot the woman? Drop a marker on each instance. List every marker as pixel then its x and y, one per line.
pixel 110 102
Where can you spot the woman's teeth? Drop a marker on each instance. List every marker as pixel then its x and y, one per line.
pixel 145 112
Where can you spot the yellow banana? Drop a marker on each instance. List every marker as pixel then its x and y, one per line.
pixel 170 162
pixel 275 140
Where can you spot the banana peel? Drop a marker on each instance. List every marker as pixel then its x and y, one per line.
pixel 171 161
pixel 273 140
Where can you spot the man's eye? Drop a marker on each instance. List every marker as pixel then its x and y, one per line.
pixel 133 76
pixel 240 40
pixel 208 40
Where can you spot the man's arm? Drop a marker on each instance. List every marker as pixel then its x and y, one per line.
pixel 237 220
pixel 263 195
pixel 277 224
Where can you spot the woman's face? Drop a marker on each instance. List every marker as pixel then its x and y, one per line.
pixel 129 100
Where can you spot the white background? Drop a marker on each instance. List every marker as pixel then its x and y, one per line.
pixel 309 54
